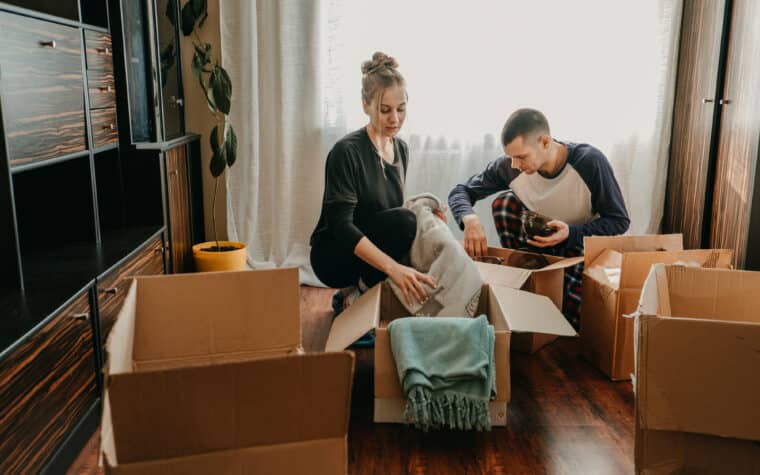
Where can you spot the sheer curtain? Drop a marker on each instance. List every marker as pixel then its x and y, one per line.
pixel 602 71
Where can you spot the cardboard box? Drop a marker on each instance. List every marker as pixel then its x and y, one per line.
pixel 204 376
pixel 606 335
pixel 697 366
pixel 548 281
pixel 509 311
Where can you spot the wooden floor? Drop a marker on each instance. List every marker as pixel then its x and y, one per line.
pixel 564 418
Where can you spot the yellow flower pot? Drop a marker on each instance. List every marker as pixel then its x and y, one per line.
pixel 211 261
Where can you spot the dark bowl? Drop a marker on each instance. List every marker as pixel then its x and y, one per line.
pixel 536 224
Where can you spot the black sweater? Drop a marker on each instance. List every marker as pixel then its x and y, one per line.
pixel 358 184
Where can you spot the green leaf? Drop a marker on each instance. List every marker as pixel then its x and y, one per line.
pixel 188 19
pixel 210 93
pixel 203 19
pixel 199 6
pixel 218 162
pixel 221 85
pixel 230 145
pixel 214 139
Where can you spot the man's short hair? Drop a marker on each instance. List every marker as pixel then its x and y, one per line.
pixel 523 122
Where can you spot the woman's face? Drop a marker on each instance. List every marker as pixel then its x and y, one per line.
pixel 387 117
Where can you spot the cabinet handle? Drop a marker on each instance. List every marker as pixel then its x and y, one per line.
pixel 160 250
pixel 80 316
pixel 111 127
pixel 173 173
pixel 707 101
pixel 724 101
pixel 111 291
pixel 106 88
pixel 48 44
pixel 103 50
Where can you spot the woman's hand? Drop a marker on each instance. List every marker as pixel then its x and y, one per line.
pixel 410 280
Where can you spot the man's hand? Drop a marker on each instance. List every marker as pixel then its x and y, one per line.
pixel 474 236
pixel 562 233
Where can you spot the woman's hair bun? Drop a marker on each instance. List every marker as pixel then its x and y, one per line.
pixel 379 61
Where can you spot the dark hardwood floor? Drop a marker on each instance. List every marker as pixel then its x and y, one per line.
pixel 564 418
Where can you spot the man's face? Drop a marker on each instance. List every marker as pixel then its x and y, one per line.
pixel 529 153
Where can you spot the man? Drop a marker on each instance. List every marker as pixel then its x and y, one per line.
pixel 571 183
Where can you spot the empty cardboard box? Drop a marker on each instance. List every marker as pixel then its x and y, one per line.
pixel 697 362
pixel 204 375
pixel 615 269
pixel 548 280
pixel 508 310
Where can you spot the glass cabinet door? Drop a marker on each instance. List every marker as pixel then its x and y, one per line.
pixel 141 94
pixel 167 16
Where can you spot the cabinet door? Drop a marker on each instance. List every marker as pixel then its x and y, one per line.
pixel 47 385
pixel 178 189
pixel 739 133
pixel 42 89
pixel 113 287
pixel 695 103
pixel 169 59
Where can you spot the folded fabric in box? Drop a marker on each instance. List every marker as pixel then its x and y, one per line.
pixel 446 369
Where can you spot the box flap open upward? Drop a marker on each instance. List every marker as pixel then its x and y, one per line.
pixel 496 274
pixel 362 316
pixel 594 245
pixel 528 312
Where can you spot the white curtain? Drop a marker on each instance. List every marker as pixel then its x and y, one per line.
pixel 603 71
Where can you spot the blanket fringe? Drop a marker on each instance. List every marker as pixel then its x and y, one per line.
pixel 445 410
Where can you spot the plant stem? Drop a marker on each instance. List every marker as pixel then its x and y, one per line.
pixel 213 214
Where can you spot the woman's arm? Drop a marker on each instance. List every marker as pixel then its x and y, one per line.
pixel 406 278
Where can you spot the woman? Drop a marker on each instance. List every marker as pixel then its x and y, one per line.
pixel 363 231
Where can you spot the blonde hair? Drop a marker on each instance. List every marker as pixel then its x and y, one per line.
pixel 378 74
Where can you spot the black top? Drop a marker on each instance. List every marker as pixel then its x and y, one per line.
pixel 358 184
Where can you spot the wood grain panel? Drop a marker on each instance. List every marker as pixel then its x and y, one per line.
pixel 46 386
pixel 179 209
pixel 113 287
pixel 102 89
pixel 99 50
pixel 41 88
pixel 698 65
pixel 104 128
pixel 739 133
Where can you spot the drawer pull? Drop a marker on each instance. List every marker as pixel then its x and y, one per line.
pixel 173 172
pixel 110 127
pixel 111 291
pixel 103 50
pixel 160 250
pixel 80 316
pixel 106 88
pixel 48 44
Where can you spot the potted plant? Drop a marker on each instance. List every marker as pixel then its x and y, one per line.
pixel 215 83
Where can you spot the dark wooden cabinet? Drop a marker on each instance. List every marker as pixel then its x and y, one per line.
pixel 712 193
pixel 47 386
pixel 83 209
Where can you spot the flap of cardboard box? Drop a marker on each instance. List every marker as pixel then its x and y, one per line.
pixel 182 412
pixel 528 312
pixel 318 457
pixel 360 317
pixel 497 274
pixel 563 264
pixel 594 245
pixel 184 319
pixel 636 265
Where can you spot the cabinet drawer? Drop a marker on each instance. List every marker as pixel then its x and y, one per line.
pixel 104 129
pixel 99 51
pixel 42 89
pixel 113 287
pixel 47 385
pixel 102 89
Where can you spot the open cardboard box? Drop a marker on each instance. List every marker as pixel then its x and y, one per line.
pixel 204 375
pixel 548 281
pixel 614 271
pixel 508 310
pixel 697 377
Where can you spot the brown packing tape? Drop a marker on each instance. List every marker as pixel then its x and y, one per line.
pixel 594 245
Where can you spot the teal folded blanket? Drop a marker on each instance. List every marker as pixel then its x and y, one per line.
pixel 446 369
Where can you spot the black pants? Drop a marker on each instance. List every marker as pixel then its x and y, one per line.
pixel 391 230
